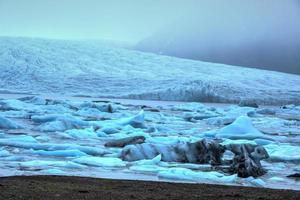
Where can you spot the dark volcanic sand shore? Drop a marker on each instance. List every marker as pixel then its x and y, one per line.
pixel 64 187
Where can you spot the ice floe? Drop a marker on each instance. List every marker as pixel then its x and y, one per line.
pixel 6 123
pixel 100 161
pixel 137 121
pixel 52 146
pixel 14 104
pixel 51 123
pixel 82 133
pixel 190 175
pixel 59 153
pixel 283 152
pixel 241 128
pixel 44 164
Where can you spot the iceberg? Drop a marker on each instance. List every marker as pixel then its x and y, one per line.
pixel 241 128
pixel 283 153
pixel 14 104
pixel 82 133
pixel 52 146
pixel 190 175
pixel 137 121
pixel 6 123
pixel 100 161
pixel 60 153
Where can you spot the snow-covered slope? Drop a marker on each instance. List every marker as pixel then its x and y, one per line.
pixel 68 67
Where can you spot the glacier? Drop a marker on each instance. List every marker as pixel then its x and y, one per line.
pixel 81 68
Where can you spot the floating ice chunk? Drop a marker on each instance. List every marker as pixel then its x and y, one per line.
pixel 186 165
pixel 241 128
pixel 277 179
pixel 53 126
pixel 89 112
pixel 15 114
pixel 49 163
pixel 8 124
pixel 109 129
pixel 45 118
pixel 171 140
pixel 256 182
pixel 193 116
pixel 156 160
pixel 275 166
pixel 4 153
pixel 100 161
pixel 266 111
pixel 120 143
pixel 189 107
pixel 58 122
pixel 147 165
pixel 236 111
pixel 147 168
pixel 229 141
pixel 82 133
pixel 218 121
pixel 51 147
pixel 53 171
pixel 263 141
pixel 289 106
pixel 248 103
pixel 34 100
pixel 60 153
pixel 230 115
pixel 187 174
pixel 13 104
pixel 20 138
pixel 124 134
pixel 103 107
pixel 55 109
pixel 12 158
pixel 42 138
pixel 278 126
pixel 290 112
pixel 152 129
pixel 136 121
pixel 60 117
pixel 283 152
pixel 101 134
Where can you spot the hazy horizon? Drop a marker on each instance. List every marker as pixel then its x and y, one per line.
pixel 261 33
pixel 129 21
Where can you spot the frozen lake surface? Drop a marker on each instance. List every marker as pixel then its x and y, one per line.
pixel 66 136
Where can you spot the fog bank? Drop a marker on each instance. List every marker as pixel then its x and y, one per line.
pixel 258 33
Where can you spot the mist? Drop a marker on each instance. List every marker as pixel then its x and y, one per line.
pixel 259 33
pixel 118 20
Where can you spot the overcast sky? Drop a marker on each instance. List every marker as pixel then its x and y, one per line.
pixel 123 20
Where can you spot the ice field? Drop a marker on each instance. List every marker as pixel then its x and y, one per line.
pixel 67 137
